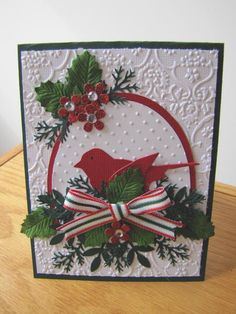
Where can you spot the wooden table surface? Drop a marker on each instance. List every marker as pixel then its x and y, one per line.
pixel 21 293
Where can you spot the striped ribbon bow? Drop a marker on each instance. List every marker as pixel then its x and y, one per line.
pixel 141 211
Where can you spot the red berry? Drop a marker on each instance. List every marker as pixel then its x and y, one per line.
pixel 100 87
pixel 88 127
pixel 104 98
pixel 109 232
pixel 100 114
pixel 72 117
pixel 96 104
pixel 62 112
pixel 63 100
pixel 84 99
pixel 91 108
pixel 82 117
pixel 76 99
pixel 88 88
pixel 125 228
pixel 125 237
pixel 99 125
pixel 79 108
pixel 114 240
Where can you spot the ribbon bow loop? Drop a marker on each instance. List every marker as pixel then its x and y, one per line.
pixel 141 211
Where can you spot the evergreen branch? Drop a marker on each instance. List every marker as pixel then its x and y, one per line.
pixel 122 81
pixel 116 253
pixel 159 183
pixel 194 197
pixel 67 260
pixel 164 249
pixel 83 184
pixel 117 100
pixel 45 131
pixel 54 206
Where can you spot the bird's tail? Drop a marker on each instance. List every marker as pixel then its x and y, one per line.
pixel 179 165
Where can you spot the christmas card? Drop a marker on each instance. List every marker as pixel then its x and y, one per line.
pixel 120 143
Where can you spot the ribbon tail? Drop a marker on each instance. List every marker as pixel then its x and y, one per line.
pixel 83 224
pixel 156 224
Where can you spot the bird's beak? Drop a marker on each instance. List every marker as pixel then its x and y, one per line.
pixel 78 165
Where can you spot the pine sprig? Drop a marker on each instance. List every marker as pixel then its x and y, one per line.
pixel 164 250
pixel 122 84
pixel 45 131
pixel 67 260
pixel 117 100
pixel 54 209
pixel 83 184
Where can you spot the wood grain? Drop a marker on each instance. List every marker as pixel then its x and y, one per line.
pixel 10 154
pixel 21 293
pixel 225 188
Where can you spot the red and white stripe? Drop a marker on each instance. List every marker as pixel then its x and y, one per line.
pixel 141 212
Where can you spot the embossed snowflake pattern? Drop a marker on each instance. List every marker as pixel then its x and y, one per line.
pixel 192 75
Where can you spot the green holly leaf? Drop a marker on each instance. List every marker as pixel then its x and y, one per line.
pixel 141 236
pixel 95 237
pixel 37 224
pixel 84 69
pixel 198 227
pixel 125 187
pixel 49 93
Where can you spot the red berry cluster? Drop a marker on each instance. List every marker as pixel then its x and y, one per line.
pixel 118 232
pixel 87 107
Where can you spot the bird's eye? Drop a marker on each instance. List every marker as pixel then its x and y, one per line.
pixel 91 157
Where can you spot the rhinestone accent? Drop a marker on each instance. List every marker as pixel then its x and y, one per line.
pixel 119 233
pixel 92 96
pixel 69 106
pixel 91 118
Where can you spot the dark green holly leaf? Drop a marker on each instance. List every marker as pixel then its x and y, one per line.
pixel 143 260
pixel 37 224
pixel 194 197
pixel 180 194
pixel 91 252
pixel 45 199
pixel 143 248
pixel 125 187
pixel 95 263
pixel 84 69
pixel 49 94
pixel 57 239
pixel 198 227
pixel 130 257
pixel 59 198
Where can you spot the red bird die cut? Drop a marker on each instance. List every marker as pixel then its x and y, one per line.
pixel 101 167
